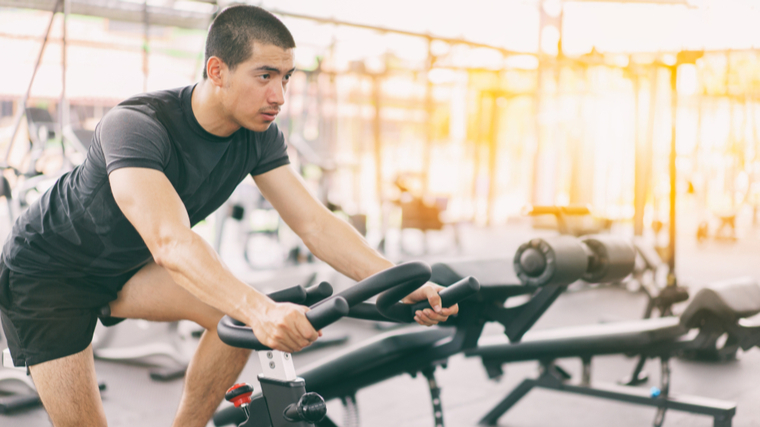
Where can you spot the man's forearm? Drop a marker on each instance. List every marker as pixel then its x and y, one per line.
pixel 195 266
pixel 340 245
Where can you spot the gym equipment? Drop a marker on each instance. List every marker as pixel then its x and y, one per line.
pixel 545 267
pixel 715 311
pixel 284 396
pixel 574 220
pixel 31 181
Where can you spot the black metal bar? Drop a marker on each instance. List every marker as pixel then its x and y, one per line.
pixel 693 404
pixel 531 312
pixel 508 402
pixel 435 395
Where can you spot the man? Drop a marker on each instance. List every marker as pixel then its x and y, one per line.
pixel 117 229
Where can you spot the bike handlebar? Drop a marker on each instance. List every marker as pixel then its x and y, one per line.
pixel 394 283
pixel 237 334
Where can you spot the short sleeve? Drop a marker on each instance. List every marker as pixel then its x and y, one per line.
pixel 131 138
pixel 273 152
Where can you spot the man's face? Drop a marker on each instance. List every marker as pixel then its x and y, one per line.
pixel 254 92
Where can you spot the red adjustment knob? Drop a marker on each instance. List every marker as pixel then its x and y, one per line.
pixel 239 394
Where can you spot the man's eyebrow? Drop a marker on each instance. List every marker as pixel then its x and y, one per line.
pixel 274 69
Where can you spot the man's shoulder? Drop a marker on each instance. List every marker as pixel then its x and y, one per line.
pixel 157 98
pixel 148 109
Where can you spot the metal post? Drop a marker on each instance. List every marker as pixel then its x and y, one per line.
pixel 672 225
pixel 64 104
pixel 639 194
pixel 537 105
pixel 22 104
pixel 493 150
pixel 429 108
pixel 377 133
pixel 146 30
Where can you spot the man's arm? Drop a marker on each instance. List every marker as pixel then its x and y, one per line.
pixel 150 203
pixel 333 240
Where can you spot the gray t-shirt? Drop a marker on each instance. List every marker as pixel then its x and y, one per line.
pixel 76 229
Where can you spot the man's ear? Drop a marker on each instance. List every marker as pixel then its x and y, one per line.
pixel 216 70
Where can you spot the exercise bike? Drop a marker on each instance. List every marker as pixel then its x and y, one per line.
pixel 284 400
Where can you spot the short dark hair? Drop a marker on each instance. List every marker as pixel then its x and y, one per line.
pixel 233 32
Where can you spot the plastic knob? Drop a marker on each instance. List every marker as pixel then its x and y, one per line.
pixel 655 392
pixel 311 408
pixel 239 394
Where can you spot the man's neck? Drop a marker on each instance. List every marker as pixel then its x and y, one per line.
pixel 209 112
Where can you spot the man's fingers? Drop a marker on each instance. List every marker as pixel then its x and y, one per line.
pixel 424 319
pixel 434 316
pixel 434 299
pixel 450 311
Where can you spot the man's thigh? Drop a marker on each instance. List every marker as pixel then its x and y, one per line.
pixel 152 294
pixel 69 391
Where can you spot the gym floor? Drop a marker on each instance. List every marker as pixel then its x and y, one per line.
pixel 133 399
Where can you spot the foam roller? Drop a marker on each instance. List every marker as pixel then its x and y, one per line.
pixel 613 258
pixel 558 260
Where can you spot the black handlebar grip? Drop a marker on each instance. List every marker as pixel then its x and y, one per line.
pixel 453 294
pixel 295 294
pixel 395 279
pixel 328 312
pixel 237 334
pixel 317 293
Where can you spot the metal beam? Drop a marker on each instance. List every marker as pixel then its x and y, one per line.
pixel 684 2
pixel 122 11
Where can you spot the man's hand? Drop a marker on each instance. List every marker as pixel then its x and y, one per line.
pixel 284 327
pixel 438 314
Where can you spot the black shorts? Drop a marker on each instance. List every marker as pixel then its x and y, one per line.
pixel 49 318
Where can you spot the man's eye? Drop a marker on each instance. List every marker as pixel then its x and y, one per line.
pixel 287 77
pixel 265 76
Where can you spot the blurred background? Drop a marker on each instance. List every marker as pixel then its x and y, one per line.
pixel 438 128
pixel 401 111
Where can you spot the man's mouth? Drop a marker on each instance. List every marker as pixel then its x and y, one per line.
pixel 270 115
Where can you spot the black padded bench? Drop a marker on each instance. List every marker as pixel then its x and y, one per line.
pixel 714 311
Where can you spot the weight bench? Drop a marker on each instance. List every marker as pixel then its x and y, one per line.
pixel 714 311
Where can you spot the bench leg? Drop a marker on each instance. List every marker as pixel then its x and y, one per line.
pixel 512 398
pixel 722 421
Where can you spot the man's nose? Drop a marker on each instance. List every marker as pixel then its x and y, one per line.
pixel 276 93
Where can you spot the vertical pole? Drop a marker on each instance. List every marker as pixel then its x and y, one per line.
pixel 672 228
pixel 429 108
pixel 63 104
pixel 653 84
pixel 536 190
pixel 21 110
pixel 493 149
pixel 146 35
pixel 377 134
pixel 640 189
